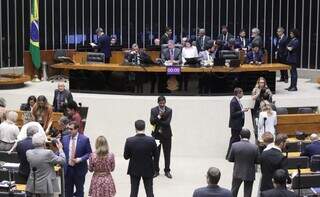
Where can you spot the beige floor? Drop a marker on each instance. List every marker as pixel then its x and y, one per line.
pixel 200 127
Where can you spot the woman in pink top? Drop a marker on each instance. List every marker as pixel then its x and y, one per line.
pixel 101 163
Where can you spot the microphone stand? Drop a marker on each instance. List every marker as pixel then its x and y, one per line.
pixel 299 179
pixel 264 124
pixel 34 169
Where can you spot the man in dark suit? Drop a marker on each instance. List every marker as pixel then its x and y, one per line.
pixel 77 149
pixel 281 52
pixel 103 45
pixel 22 147
pixel 141 150
pixel 160 118
pixel 236 119
pixel 293 59
pixel 213 189
pixel 61 98
pixel 244 155
pixel 171 54
pixel 136 55
pixel 241 41
pixel 225 36
pixel 313 148
pixel 256 39
pixel 279 182
pixel 166 36
pixel 202 40
pixel 255 56
pixel 272 160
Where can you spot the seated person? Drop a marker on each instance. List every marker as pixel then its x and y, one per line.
pixel 9 131
pixel 207 56
pixel 255 56
pixel 42 112
pixel 189 51
pixel 2 109
pixel 313 148
pixel 231 45
pixel 171 55
pixel 267 120
pixel 29 105
pixel 136 55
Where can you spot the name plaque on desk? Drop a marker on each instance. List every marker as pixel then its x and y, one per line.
pixel 173 70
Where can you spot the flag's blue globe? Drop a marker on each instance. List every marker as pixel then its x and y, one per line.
pixel 34 31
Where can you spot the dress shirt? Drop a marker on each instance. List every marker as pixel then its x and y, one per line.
pixel 269 146
pixel 75 145
pixel 8 132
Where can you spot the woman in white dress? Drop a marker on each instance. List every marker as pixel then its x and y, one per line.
pixel 267 119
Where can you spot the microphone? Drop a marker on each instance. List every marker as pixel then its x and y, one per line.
pixel 264 123
pixel 34 169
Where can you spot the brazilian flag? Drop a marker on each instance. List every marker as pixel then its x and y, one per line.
pixel 34 34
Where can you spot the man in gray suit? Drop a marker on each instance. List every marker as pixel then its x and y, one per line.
pixel 171 53
pixel 42 180
pixel 244 155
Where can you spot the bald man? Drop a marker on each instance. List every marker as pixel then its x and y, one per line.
pixel 62 96
pixel 313 148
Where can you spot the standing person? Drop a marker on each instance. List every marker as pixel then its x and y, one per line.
pixel 260 92
pixel 281 52
pixel 22 147
pixel 293 58
pixel 103 44
pixel 77 149
pixel 43 181
pixel 74 114
pixel 280 186
pixel 272 160
pixel 236 119
pixel 9 131
pixel 244 155
pixel 166 36
pixel 202 40
pixel 213 189
pixel 141 150
pixel 267 120
pixel 160 119
pixel 42 112
pixel 61 97
pixel 101 163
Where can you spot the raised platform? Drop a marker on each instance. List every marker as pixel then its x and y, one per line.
pixel 13 81
pixel 153 80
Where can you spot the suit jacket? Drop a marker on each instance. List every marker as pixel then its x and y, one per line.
pixel 83 151
pixel 240 44
pixel 254 57
pixel 132 57
pixel 201 42
pixel 163 123
pixel 236 119
pixel 177 54
pixel 270 161
pixel 281 48
pixel 229 36
pixel 66 98
pixel 244 155
pixel 278 192
pixel 22 147
pixel 164 39
pixel 104 45
pixel 44 160
pixel 212 190
pixel 257 41
pixel 141 150
pixel 294 55
pixel 312 149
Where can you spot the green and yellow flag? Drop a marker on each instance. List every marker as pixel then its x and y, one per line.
pixel 34 34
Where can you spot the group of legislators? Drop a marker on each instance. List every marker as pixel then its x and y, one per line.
pixel 206 49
